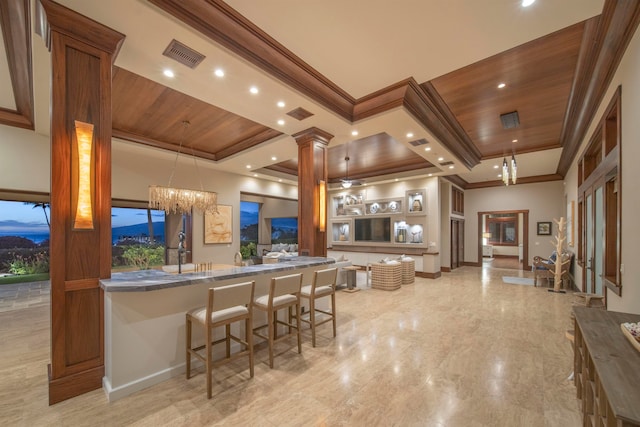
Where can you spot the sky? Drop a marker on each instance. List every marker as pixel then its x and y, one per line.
pixel 21 217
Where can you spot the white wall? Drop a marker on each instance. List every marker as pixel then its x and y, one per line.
pixel 543 200
pixel 25 160
pixel 628 76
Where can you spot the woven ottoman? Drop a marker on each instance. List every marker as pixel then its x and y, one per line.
pixel 387 277
pixel 408 271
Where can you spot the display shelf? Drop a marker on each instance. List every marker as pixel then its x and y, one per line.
pixel 348 205
pixel 416 200
pixel 341 231
pixel 384 207
pixel 408 232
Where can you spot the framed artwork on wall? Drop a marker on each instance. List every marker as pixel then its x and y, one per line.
pixel 218 227
pixel 544 228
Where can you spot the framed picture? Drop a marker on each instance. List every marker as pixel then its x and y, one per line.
pixel 544 229
pixel 218 227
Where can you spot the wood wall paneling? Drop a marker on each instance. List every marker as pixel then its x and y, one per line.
pixel 82 54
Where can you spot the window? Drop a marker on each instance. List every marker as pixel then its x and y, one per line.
pixel 284 230
pixel 137 237
pixel 24 240
pixel 503 229
pixel 249 220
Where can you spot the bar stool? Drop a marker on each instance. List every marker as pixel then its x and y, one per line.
pixel 226 305
pixel 323 285
pixel 284 292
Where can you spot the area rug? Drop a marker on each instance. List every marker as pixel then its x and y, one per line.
pixel 517 280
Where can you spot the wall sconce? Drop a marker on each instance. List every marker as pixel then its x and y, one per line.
pixel 322 206
pixel 83 176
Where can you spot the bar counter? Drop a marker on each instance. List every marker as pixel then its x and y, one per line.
pixel 144 317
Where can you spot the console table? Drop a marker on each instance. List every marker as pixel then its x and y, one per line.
pixel 607 376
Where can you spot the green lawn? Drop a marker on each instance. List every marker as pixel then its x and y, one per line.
pixel 7 280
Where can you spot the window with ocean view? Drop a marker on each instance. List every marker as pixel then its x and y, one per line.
pixel 137 239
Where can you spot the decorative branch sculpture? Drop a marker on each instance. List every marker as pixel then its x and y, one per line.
pixel 559 243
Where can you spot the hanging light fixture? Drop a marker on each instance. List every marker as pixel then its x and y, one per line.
pixel 346 182
pixel 181 200
pixel 509 171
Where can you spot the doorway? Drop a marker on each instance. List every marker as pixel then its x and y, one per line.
pixel 503 239
pixel 457 243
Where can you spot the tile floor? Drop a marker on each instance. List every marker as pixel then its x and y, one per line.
pixel 462 350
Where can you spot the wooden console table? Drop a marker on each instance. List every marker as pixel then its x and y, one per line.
pixel 606 366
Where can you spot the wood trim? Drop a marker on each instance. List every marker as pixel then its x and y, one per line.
pixel 456 180
pixel 224 25
pixel 23 195
pixel 16 30
pixel 524 180
pixel 604 44
pixel 447 269
pixel 472 264
pixel 428 275
pixel 80 284
pixel 381 249
pixel 72 385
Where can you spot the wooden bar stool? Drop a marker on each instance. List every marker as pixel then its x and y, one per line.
pixel 284 292
pixel 226 305
pixel 323 285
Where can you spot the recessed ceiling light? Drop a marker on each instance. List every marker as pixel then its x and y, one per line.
pixel 527 3
pixel 280 180
pixel 430 174
pixel 274 158
pixel 499 175
pixel 496 166
pixel 167 72
pixel 281 122
pixel 427 148
pixel 396 179
pixel 354 132
pixel 451 166
pixel 515 140
pixel 410 135
pixel 501 85
pixel 440 159
pixel 281 104
pixel 219 72
pixel 248 166
pixel 254 90
pixel 255 174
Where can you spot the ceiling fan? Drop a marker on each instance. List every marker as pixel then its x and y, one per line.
pixel 346 182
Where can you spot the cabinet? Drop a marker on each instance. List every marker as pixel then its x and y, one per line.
pixel 607 377
pixel 487 250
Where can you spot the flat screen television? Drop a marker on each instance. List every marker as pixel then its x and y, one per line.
pixel 373 229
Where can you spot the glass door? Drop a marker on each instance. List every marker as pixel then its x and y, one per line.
pixel 594 235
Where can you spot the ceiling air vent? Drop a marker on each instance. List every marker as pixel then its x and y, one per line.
pixel 183 54
pixel 418 142
pixel 446 163
pixel 299 113
pixel 510 120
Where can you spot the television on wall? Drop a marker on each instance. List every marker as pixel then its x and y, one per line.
pixel 372 229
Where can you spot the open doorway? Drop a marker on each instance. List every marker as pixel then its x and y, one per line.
pixel 503 240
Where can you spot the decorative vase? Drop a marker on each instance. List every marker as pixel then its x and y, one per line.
pixel 416 206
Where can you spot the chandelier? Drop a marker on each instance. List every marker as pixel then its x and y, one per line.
pixel 509 170
pixel 181 200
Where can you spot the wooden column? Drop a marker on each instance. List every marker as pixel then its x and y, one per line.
pixel 312 167
pixel 82 55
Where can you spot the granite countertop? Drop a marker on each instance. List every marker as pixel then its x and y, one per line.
pixel 152 280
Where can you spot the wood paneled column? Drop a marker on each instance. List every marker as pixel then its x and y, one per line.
pixel 312 167
pixel 82 55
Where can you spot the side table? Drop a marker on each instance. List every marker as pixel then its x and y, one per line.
pixel 351 278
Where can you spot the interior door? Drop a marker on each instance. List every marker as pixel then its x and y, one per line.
pixel 457 243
